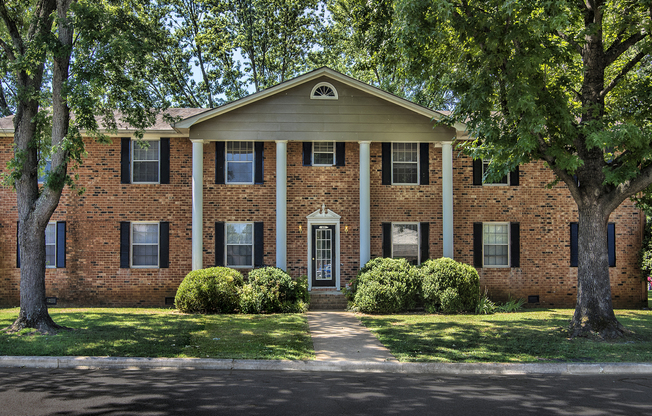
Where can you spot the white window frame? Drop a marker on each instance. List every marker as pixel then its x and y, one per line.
pixel 418 237
pixel 132 244
pixel 323 97
pixel 226 245
pixel 418 163
pixel 51 224
pixel 252 162
pixel 509 246
pixel 486 162
pixel 134 143
pixel 324 164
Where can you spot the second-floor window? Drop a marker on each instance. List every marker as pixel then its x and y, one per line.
pixel 405 163
pixel 240 162
pixel 145 161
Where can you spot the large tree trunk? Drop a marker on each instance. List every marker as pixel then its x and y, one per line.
pixel 594 310
pixel 33 306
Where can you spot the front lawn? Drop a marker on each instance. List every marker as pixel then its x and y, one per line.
pixel 163 333
pixel 530 336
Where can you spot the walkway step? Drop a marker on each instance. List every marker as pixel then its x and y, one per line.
pixel 327 300
pixel 339 336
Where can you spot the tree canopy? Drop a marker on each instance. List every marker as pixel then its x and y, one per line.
pixel 563 81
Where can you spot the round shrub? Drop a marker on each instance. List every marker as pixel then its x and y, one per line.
pixel 212 290
pixel 386 285
pixel 270 290
pixel 449 286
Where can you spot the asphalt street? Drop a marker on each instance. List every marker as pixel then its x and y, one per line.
pixel 214 392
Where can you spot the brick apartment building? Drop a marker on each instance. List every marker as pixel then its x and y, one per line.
pixel 316 176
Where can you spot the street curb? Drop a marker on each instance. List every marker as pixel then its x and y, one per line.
pixel 137 363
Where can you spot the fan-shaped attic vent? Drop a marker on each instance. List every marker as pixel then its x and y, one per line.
pixel 323 91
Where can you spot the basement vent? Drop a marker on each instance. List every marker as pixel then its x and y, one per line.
pixel 533 299
pixel 51 300
pixel 169 301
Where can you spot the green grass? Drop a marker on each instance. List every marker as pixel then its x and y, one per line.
pixel 163 333
pixel 530 336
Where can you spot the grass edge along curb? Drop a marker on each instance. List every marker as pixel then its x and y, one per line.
pixel 334 366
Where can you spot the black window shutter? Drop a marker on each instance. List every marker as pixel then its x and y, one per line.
pixel 425 241
pixel 477 171
pixel 387 239
pixel 477 244
pixel 125 228
pixel 424 164
pixel 219 244
pixel 513 177
pixel 515 244
pixel 307 153
pixel 164 245
pixel 61 244
pixel 165 160
pixel 340 153
pixel 220 159
pixel 17 245
pixel 125 160
pixel 573 244
pixel 258 244
pixel 259 153
pixel 387 163
pixel 611 243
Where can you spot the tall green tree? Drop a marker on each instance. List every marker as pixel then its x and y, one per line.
pixel 273 37
pixel 360 40
pixel 563 81
pixel 199 69
pixel 81 57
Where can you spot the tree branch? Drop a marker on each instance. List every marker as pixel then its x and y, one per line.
pixel 629 188
pixel 10 23
pixel 8 51
pixel 628 67
pixel 620 47
pixel 571 41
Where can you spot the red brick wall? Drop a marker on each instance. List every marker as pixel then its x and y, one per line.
pixel 544 216
pixel 93 275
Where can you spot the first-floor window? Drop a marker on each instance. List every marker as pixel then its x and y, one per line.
pixel 495 244
pixel 239 244
pixel 405 241
pixel 144 246
pixel 51 245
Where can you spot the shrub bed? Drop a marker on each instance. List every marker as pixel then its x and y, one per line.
pixel 212 290
pixel 386 285
pixel 270 290
pixel 449 286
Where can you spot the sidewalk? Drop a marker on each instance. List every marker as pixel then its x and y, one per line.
pixel 341 343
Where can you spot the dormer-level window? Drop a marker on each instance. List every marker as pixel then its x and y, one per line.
pixel 323 91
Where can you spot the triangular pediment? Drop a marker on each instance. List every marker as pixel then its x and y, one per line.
pixel 323 214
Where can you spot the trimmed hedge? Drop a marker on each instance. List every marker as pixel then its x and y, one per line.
pixel 386 285
pixel 449 286
pixel 212 290
pixel 270 290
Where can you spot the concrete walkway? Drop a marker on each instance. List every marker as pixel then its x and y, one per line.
pixel 339 336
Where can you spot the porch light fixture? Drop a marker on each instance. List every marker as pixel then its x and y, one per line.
pixel 346 229
pixel 300 229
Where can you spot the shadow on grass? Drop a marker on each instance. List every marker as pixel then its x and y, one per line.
pixel 542 336
pixel 161 333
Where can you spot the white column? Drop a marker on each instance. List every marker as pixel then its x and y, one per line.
pixel 197 204
pixel 365 203
pixel 281 204
pixel 447 197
